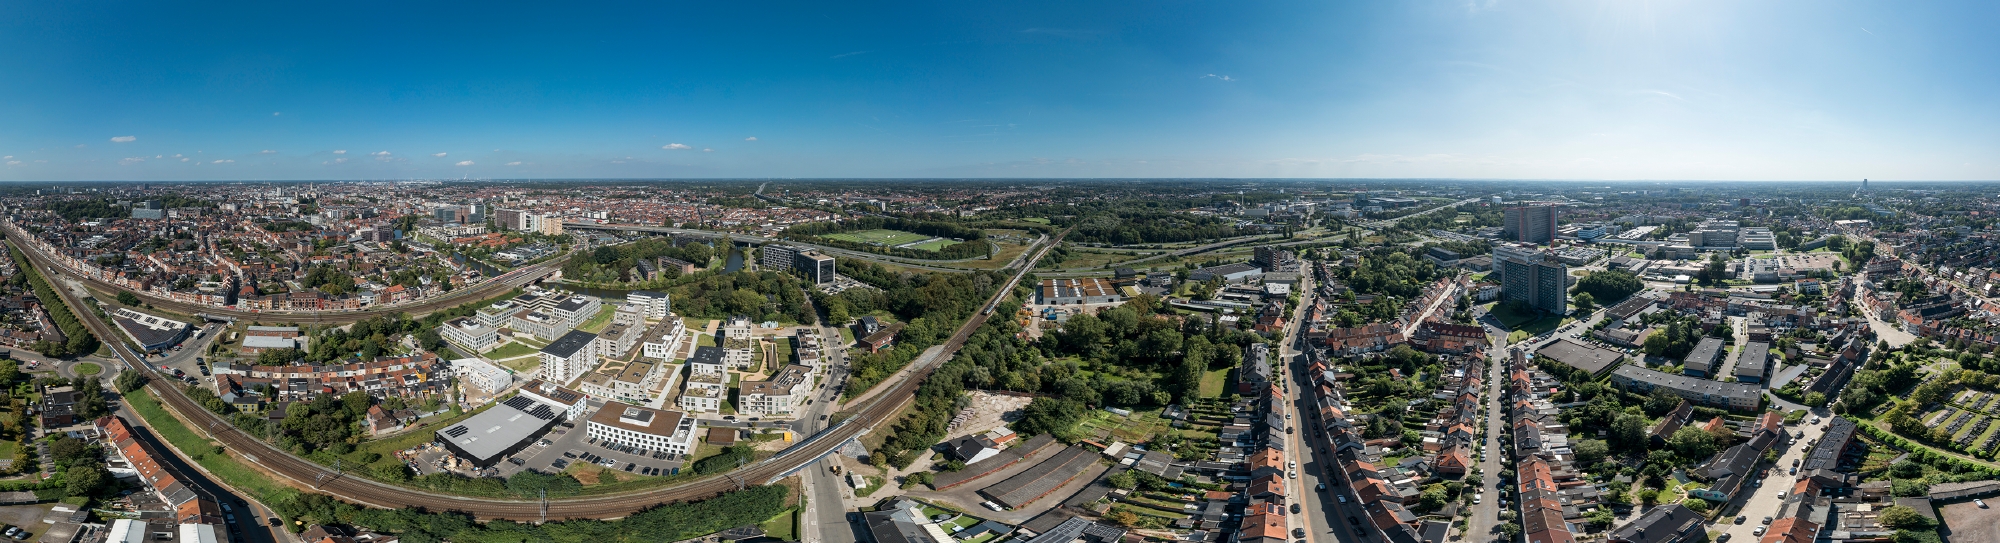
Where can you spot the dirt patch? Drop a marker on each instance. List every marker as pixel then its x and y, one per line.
pixel 989 411
pixel 1967 522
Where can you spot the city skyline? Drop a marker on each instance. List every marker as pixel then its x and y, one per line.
pixel 1453 90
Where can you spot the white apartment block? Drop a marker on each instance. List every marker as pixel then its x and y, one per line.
pixel 707 381
pixel 469 333
pixel 569 357
pixel 664 340
pixel 780 395
pixel 649 429
pixel 656 304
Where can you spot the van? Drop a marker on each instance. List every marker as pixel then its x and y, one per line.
pixel 991 505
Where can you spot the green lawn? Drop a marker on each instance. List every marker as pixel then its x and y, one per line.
pixel 1036 220
pixel 1534 323
pixel 1214 382
pixel 388 447
pixel 934 245
pixel 207 453
pixel 846 335
pixel 87 369
pixel 782 526
pixel 704 340
pixel 600 320
pixel 879 237
pixel 521 365
pixel 511 350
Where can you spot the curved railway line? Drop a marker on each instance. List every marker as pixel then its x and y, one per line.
pixel 307 474
pixel 488 289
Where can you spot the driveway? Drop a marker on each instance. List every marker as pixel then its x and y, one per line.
pixel 1757 502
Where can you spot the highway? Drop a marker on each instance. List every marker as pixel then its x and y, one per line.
pixel 492 287
pixel 302 473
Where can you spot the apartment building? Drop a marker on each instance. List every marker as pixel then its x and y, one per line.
pixel 707 381
pixel 780 395
pixel 644 428
pixel 469 333
pixel 569 357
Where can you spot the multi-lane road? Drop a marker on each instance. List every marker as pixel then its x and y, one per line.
pixel 304 473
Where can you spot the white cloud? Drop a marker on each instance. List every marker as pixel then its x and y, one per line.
pixel 340 160
pixel 439 155
pixel 275 113
pixel 705 150
pixel 465 163
pixel 223 161
pixel 80 146
pixel 672 146
pixel 751 138
pixel 379 153
pixel 514 163
pixel 159 156
pixel 267 152
pixel 184 159
pixel 1221 77
pixel 339 151
pixel 177 155
pixel 131 160
pixel 124 139
pixel 8 157
pixel 13 163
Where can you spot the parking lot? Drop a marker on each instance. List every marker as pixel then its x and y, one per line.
pixel 564 445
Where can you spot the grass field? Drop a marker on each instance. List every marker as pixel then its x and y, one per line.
pixel 209 454
pixel 511 350
pixel 934 245
pixel 879 237
pixel 1036 220
pixel 87 369
pixel 600 320
pixel 1213 382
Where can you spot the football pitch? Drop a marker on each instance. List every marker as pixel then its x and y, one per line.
pixel 889 238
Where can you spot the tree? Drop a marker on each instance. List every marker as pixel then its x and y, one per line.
pixel 1590 451
pixel 128 381
pixel 1692 443
pixel 1601 519
pixel 84 479
pixel 128 298
pixel 1696 505
pixel 1124 480
pixel 1628 432
pixel 1660 401
pixel 1584 302
pixel 1648 496
pixel 1898 516
pixel 1610 286
pixel 1816 399
pixel 1125 518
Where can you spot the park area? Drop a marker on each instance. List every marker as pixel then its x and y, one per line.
pixel 894 238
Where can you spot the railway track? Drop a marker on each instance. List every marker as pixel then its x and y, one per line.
pixel 448 300
pixel 307 474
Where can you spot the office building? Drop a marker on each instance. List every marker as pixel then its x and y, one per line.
pixel 1530 223
pixel 818 268
pixel 1532 277
pixel 643 428
pixel 778 257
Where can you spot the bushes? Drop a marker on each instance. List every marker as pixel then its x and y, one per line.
pixel 662 524
pixel 975 244
pixel 731 457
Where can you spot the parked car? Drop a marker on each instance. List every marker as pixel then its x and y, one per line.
pixel 1295 509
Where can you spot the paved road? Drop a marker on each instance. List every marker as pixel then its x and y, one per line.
pixel 1762 501
pixel 1485 514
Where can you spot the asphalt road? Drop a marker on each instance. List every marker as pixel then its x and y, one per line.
pixel 308 474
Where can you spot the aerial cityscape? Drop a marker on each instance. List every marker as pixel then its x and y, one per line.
pixel 1450 271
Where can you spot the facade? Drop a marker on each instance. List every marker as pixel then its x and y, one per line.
pixel 663 340
pixel 468 332
pixel 1737 396
pixel 481 374
pixel 1532 277
pixel 1754 362
pixel 707 381
pixel 643 428
pixel 617 339
pixel 1530 224
pixel 776 257
pixel 817 267
pixel 1702 360
pixel 569 357
pixel 781 395
pixel 656 305
pixel 574 311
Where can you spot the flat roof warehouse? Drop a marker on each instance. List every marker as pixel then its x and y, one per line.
pixel 503 430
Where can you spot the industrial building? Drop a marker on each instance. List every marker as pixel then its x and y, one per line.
pixel 1085 290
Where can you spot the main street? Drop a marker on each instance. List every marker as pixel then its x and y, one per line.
pixel 304 473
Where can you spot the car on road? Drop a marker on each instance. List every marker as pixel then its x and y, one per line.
pixel 1295 474
pixel 1724 538
pixel 1343 498
pixel 1767 520
pixel 1321 487
pixel 1354 521
pixel 1298 532
pixel 1295 509
pixel 1980 503
pixel 1741 519
pixel 991 505
pixel 1759 532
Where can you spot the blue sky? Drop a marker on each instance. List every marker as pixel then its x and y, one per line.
pixel 1777 90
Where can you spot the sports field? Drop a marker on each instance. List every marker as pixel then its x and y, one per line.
pixel 934 245
pixel 879 237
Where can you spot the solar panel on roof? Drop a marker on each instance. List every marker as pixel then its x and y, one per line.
pixel 543 412
pixel 456 431
pixel 519 402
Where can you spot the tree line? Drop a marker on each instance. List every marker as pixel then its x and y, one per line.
pixel 664 523
pixel 974 245
pixel 77 338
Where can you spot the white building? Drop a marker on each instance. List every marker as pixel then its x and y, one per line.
pixel 649 429
pixel 469 333
pixel 569 357
pixel 656 304
pixel 482 375
pixel 707 381
pixel 781 395
pixel 576 310
pixel 663 340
